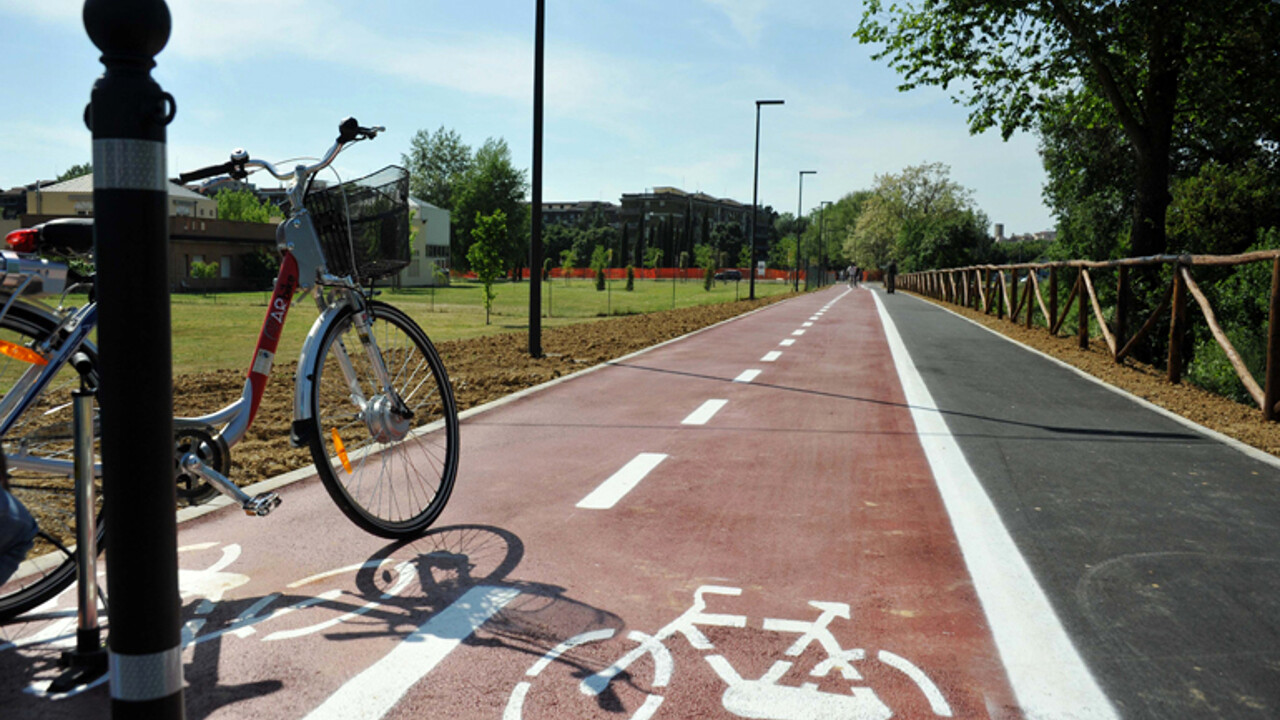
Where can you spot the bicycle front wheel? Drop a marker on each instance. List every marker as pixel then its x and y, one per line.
pixel 387 459
pixel 38 456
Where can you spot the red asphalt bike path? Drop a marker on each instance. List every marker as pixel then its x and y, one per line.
pixel 789 558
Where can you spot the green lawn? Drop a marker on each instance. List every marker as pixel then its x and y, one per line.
pixel 220 331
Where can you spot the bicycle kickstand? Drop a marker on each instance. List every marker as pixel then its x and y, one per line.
pixel 259 505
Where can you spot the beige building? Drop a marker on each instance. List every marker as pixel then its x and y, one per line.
pixel 430 247
pixel 75 197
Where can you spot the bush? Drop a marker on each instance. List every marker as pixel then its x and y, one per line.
pixel 631 278
pixel 708 277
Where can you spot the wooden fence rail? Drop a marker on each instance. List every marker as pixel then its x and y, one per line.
pixel 986 289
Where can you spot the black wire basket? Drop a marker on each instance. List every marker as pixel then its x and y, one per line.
pixel 364 224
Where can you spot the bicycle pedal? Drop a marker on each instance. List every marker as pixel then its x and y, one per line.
pixel 261 505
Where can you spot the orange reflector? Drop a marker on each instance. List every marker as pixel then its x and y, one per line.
pixel 342 450
pixel 18 352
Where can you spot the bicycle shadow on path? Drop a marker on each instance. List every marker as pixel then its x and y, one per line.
pixel 389 595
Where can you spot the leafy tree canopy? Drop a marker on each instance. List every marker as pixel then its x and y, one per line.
pixel 242 205
pixel 75 171
pixel 493 183
pixel 436 163
pixel 1149 68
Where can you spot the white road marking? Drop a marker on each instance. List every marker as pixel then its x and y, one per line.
pixel 375 691
pixel 937 703
pixel 788 342
pixel 1046 672
pixel 771 356
pixel 747 376
pixel 797 332
pixel 704 412
pixel 621 482
pixel 806 324
pixel 814 318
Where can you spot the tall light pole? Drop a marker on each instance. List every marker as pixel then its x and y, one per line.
pixel 755 198
pixel 799 205
pixel 535 200
pixel 822 245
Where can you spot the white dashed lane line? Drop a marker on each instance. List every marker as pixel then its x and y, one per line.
pixel 787 343
pixel 747 376
pixel 797 332
pixel 704 413
pixel 621 482
pixel 771 356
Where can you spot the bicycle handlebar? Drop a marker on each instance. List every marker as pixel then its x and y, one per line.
pixel 349 131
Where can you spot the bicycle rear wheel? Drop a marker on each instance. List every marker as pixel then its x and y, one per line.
pixel 390 469
pixel 42 434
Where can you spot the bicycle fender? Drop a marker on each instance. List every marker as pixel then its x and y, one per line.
pixel 308 361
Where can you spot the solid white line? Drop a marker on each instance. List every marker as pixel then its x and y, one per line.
pixel 705 412
pixel 621 482
pixel 1046 673
pixel 797 332
pixel 376 690
pixel 788 342
pixel 747 376
pixel 771 356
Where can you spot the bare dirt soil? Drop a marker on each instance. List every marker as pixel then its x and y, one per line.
pixel 481 369
pixel 1242 422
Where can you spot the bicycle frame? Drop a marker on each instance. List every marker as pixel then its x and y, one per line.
pixel 236 418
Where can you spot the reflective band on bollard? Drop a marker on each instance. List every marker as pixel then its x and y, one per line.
pixel 139 678
pixel 122 164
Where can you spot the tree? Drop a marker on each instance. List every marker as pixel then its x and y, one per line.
pixel 568 258
pixel 599 261
pixel 485 254
pixel 436 163
pixel 1152 67
pixel 244 206
pixel 75 171
pixel 493 183
pixel 652 257
pixel 204 271
pixel 704 256
pixel 919 217
pixel 261 264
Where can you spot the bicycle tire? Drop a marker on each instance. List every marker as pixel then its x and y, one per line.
pixel 415 470
pixel 44 430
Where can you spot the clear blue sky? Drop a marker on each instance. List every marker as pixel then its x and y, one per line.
pixel 640 93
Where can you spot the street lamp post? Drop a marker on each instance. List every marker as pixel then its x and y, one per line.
pixel 535 236
pixel 799 209
pixel 755 197
pixel 822 245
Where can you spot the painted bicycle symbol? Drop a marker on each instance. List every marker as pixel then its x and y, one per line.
pixel 764 697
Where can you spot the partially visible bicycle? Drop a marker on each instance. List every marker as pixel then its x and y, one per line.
pixel 371 396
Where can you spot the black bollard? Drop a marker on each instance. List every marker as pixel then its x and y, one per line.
pixel 128 113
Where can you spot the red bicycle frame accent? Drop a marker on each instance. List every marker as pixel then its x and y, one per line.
pixel 272 325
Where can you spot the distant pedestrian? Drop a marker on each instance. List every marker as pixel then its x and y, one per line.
pixel 849 274
pixel 891 275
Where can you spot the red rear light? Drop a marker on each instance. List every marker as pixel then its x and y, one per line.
pixel 23 241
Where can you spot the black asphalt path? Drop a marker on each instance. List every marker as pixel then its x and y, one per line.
pixel 1158 546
